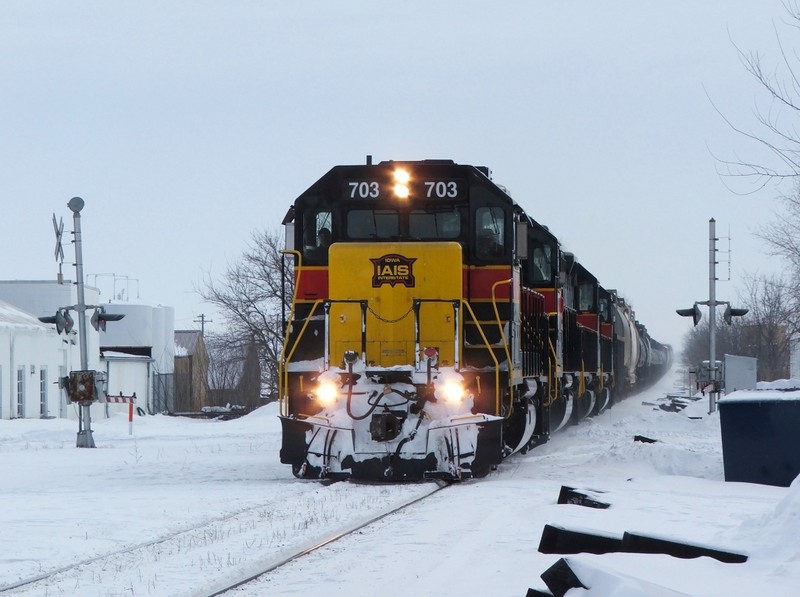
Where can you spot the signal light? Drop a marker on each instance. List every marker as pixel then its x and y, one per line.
pixel 733 312
pixel 100 317
pixel 69 323
pixel 62 319
pixel 693 312
pixel 65 323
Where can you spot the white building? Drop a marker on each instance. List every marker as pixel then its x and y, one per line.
pixel 32 358
pixel 136 353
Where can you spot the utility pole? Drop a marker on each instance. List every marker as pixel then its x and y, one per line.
pixel 712 302
pixel 202 321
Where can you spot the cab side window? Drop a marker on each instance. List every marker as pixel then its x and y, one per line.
pixel 317 237
pixel 489 233
pixel 541 264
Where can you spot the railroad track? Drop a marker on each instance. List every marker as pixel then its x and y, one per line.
pixel 222 553
pixel 266 567
pixel 120 552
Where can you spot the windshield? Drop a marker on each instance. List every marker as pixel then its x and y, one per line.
pixel 385 224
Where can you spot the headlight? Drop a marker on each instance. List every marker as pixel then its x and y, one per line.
pixel 453 392
pixel 401 179
pixel 401 191
pixel 402 176
pixel 326 393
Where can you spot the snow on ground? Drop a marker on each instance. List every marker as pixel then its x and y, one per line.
pixel 222 483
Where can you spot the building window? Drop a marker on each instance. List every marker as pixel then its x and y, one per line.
pixel 43 392
pixel 20 393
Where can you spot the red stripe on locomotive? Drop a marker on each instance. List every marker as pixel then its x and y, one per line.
pixel 478 283
pixel 313 283
pixel 590 321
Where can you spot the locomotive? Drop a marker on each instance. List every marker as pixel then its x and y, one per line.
pixel 436 328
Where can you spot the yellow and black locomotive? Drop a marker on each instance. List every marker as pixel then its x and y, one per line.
pixel 436 328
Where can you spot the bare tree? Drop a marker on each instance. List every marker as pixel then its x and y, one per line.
pixel 782 237
pixel 728 340
pixel 250 297
pixel 774 303
pixel 770 326
pixel 776 113
pixel 764 333
pixel 234 372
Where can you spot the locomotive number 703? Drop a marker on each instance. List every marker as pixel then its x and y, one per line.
pixel 441 189
pixel 364 190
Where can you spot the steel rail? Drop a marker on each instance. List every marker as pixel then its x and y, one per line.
pixel 273 564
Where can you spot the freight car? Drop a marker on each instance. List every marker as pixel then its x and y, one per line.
pixel 435 327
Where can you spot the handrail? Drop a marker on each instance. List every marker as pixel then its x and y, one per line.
pixel 554 376
pixel 283 400
pixel 283 373
pixel 505 342
pixel 491 352
pixel 297 342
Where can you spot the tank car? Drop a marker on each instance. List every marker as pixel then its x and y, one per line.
pixel 435 327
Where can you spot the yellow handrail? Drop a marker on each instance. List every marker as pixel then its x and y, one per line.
pixel 553 370
pixel 491 352
pixel 283 372
pixel 296 343
pixel 505 342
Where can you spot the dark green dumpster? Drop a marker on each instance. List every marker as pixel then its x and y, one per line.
pixel 761 436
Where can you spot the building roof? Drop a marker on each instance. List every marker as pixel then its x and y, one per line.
pixel 12 317
pixel 186 342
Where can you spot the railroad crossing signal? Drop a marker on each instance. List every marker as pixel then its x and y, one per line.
pixel 100 318
pixel 733 312
pixel 693 312
pixel 62 319
pixel 728 315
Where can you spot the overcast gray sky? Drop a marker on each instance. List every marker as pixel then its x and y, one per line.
pixel 186 126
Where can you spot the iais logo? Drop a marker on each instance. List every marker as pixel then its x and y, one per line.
pixel 393 269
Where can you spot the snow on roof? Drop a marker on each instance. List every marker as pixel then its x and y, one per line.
pixel 12 317
pixel 186 342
